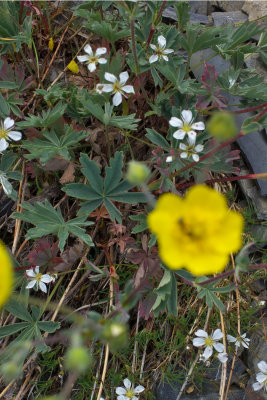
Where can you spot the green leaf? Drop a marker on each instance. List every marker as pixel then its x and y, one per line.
pixel 18 310
pixel 52 144
pixel 48 326
pixel 157 138
pixel 142 226
pixel 44 120
pixel 50 221
pixel 9 330
pixel 100 191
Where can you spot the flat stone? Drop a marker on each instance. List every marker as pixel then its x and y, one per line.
pixel 230 6
pixel 169 13
pixel 254 144
pixel 255 9
pixel 253 61
pixel 233 17
pixel 199 7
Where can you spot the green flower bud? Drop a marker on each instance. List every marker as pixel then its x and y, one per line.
pixel 137 173
pixel 115 334
pixel 222 125
pixel 10 371
pixel 78 359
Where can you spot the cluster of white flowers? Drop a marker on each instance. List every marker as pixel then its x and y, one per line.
pixel 39 280
pixel 187 129
pixel 129 392
pixel 210 341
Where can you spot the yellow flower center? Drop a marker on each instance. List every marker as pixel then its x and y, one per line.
pixel 3 133
pixel 117 87
pixel 186 128
pixel 191 230
pixel 93 59
pixel 129 393
pixel 209 341
pixel 38 277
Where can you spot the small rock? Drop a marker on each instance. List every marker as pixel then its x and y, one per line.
pixel 254 9
pixel 169 13
pixel 233 17
pixel 230 6
pixel 199 7
pixel 253 62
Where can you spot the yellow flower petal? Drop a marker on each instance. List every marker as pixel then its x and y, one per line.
pixel 198 232
pixel 51 44
pixel 73 67
pixel 6 274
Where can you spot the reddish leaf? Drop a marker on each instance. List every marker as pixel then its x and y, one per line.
pixel 100 213
pixel 213 95
pixel 44 254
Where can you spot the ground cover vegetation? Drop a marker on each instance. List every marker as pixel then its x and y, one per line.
pixel 125 253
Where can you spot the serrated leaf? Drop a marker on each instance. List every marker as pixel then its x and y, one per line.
pixel 9 330
pixel 100 191
pixel 50 221
pixel 157 138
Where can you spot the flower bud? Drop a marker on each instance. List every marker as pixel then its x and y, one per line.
pixel 78 359
pixel 73 67
pixel 137 173
pixel 222 126
pixel 115 334
pixel 51 44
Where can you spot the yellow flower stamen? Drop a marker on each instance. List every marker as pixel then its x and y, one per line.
pixel 209 341
pixel 129 393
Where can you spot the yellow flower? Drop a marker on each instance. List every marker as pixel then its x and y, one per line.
pixel 6 274
pixel 51 44
pixel 73 67
pixel 198 232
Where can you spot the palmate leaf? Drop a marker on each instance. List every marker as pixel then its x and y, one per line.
pixel 103 191
pixel 50 221
pixel 44 120
pixel 52 144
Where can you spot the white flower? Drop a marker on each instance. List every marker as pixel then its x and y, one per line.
pixel 203 339
pixel 185 125
pixel 38 279
pixel 93 58
pixel 239 341
pixel 169 159
pixel 6 133
pixel 261 377
pixel 128 392
pixel 117 87
pixel 223 357
pixel 190 150
pixel 160 50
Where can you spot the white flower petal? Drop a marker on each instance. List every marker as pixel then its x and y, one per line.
pixel 88 49
pixel 124 76
pixel 192 136
pixel 102 61
pixel 180 134
pixel 161 41
pixel 37 269
pixel 117 99
pixel 127 383
pixel 219 347
pixel 168 51
pixel 231 339
pixel 165 57
pixel 183 155
pixel 153 58
pixel 169 159
pixel 139 389
pixel 120 390
pixel 183 146
pixel 199 148
pixel 195 157
pixel 176 122
pixel 261 377
pixel 31 284
pixel 8 123
pixel 46 278
pixel 83 58
pixel 201 333
pixel 257 386
pixel 30 273
pixel 187 116
pixel 106 87
pixel 92 66
pixel 100 51
pixel 43 287
pixel 191 140
pixel 153 47
pixel 262 366
pixel 217 334
pixel 3 144
pixel 15 135
pixel 207 352
pixel 199 126
pixel 134 398
pixel 128 89
pixel 121 397
pixel 110 77
pixel 223 357
pixel 198 342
